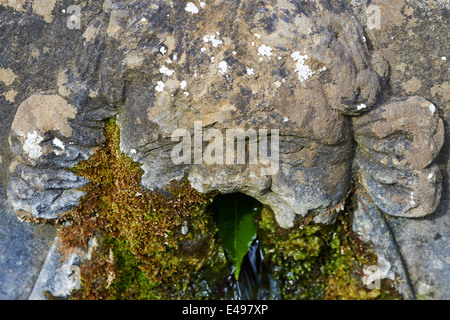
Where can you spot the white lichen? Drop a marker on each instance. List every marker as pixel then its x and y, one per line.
pixel 183 84
pixel 412 202
pixel 223 66
pixel 160 86
pixel 32 145
pixel 58 143
pixel 361 106
pixel 250 71
pixel 264 50
pixel 166 71
pixel 212 39
pixel 303 71
pixel 191 7
pixel 432 108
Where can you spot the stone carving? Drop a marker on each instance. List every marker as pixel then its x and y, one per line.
pixel 302 68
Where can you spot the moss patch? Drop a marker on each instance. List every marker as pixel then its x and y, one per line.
pixel 164 245
pixel 316 262
pixel 143 253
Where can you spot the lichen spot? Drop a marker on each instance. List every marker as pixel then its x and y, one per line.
pixel 159 86
pixel 42 113
pixel 192 8
pixel 223 67
pixel 432 108
pixel 361 106
pixel 7 76
pixel 265 51
pixel 32 145
pixel 44 8
pixel 58 143
pixel 302 70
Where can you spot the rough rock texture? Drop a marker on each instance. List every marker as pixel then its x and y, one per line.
pixel 424 246
pixel 294 69
pixel 23 248
pixel 383 242
pixel 246 69
pixel 413 39
pixel 59 276
pixel 343 97
pixel 396 153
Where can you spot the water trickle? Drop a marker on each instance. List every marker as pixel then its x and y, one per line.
pixel 255 280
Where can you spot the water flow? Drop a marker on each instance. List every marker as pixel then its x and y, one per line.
pixel 255 280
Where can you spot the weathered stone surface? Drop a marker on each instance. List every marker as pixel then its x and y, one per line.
pixel 403 193
pixel 383 243
pixel 43 194
pixel 33 54
pixel 340 92
pixel 395 155
pixel 413 39
pixel 60 275
pixel 23 248
pixel 424 246
pixel 399 130
pixel 39 184
pixel 248 69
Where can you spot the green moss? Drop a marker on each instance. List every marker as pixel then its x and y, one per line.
pixel 318 261
pixel 143 253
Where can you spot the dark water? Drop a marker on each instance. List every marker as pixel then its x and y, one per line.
pixel 255 280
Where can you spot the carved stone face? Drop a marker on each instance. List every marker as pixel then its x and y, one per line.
pixel 301 71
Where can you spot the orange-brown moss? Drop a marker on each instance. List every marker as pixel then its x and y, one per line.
pixel 140 230
pixel 142 253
